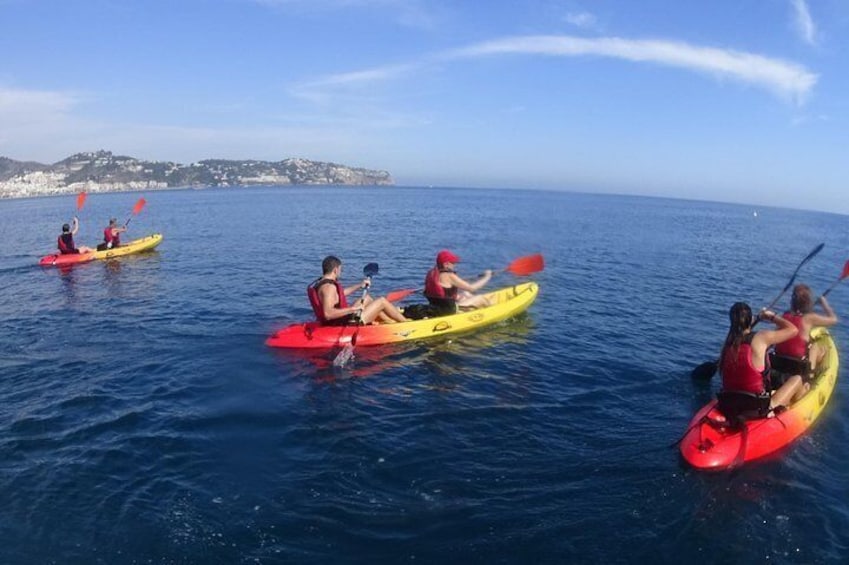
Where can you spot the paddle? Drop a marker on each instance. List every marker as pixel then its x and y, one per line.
pixel 706 370
pixel 81 200
pixel 522 267
pixel 843 274
pixel 136 209
pixel 347 352
pixel 80 203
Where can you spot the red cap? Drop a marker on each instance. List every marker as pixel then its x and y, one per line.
pixel 446 256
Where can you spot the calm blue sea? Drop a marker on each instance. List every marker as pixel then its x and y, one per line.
pixel 143 420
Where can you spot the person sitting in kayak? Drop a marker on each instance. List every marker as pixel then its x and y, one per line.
pixel 328 299
pixel 802 315
pixel 65 242
pixel 112 235
pixel 446 291
pixel 744 365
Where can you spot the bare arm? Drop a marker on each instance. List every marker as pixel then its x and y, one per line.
pixel 470 287
pixel 354 288
pixel 784 330
pixel 829 319
pixel 329 298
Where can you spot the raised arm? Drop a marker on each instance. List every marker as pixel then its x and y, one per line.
pixel 784 329
pixel 829 319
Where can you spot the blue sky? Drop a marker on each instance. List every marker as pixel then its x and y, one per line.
pixel 723 100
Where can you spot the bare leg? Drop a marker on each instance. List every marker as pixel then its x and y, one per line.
pixel 791 390
pixel 815 355
pixel 381 306
pixel 473 301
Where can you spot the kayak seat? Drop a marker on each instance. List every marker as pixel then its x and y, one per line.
pixel 783 367
pixel 740 406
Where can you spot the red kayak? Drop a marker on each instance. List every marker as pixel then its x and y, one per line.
pixel 68 259
pixel 712 444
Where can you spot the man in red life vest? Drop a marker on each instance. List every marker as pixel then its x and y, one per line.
pixel 112 234
pixel 328 299
pixel 65 242
pixel 445 290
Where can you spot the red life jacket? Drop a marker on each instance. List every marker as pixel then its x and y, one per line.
pixel 797 346
pixel 109 237
pixel 739 374
pixel 65 243
pixel 315 300
pixel 432 288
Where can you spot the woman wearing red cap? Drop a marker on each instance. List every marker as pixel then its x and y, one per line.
pixel 445 290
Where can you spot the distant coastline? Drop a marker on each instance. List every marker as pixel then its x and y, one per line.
pixel 102 171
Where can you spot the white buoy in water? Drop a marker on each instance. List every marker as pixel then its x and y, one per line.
pixel 755 213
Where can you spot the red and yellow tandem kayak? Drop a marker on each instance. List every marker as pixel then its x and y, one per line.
pixel 711 445
pixel 505 303
pixel 136 246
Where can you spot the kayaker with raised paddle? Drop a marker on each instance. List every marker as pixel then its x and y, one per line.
pixel 446 291
pixel 65 242
pixel 744 365
pixel 802 315
pixel 328 299
pixel 112 235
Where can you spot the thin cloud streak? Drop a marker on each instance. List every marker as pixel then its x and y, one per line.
pixel 327 89
pixel 803 22
pixel 783 78
pixel 583 20
pixel 22 107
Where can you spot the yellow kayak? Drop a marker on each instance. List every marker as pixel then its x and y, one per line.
pixel 505 303
pixel 136 246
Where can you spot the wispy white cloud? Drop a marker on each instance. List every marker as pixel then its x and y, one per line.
pixel 329 89
pixel 47 126
pixel 22 107
pixel 803 22
pixel 784 78
pixel 787 80
pixel 583 20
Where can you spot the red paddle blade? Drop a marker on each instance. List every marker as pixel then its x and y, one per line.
pixel 139 205
pixel 81 200
pixel 527 265
pixel 845 272
pixel 400 294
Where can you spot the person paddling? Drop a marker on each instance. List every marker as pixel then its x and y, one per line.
pixel 803 317
pixel 65 242
pixel 743 362
pixel 112 235
pixel 328 299
pixel 445 290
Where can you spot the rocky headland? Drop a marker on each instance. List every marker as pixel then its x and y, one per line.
pixel 101 171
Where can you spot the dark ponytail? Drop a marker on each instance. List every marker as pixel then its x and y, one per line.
pixel 740 316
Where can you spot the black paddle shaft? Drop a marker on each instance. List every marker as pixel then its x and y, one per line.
pixel 707 369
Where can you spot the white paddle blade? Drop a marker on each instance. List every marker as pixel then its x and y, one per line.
pixel 344 356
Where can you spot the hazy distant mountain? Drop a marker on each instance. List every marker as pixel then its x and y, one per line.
pixel 101 171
